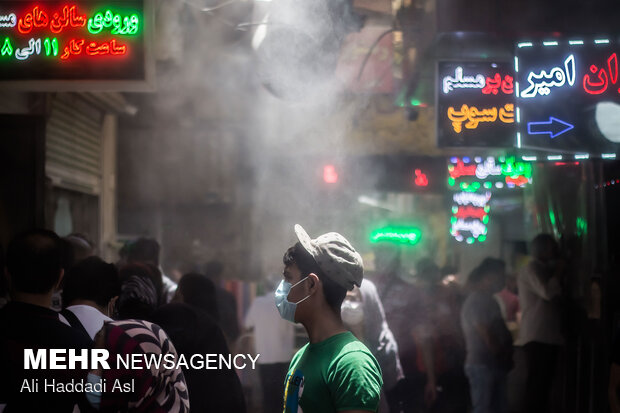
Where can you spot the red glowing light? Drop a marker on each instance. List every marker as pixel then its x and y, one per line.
pixel 330 175
pixel 75 48
pixel 494 84
pixel 38 19
pixel 520 180
pixel 420 178
pixel 470 212
pixel 461 170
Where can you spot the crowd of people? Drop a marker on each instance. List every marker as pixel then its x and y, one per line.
pixel 402 341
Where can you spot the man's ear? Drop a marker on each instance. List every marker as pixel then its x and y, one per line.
pixel 59 283
pixel 314 283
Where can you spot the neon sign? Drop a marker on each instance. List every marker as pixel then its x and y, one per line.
pixel 488 172
pixel 594 87
pixel 459 81
pixel 559 87
pixel 399 235
pixel 472 116
pixel 554 127
pixel 103 41
pixel 420 178
pixel 476 104
pixel 470 214
pixel 542 82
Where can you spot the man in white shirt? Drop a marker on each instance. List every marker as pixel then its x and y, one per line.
pixel 91 288
pixel 274 341
pixel 540 334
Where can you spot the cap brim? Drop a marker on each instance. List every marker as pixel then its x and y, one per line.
pixel 305 240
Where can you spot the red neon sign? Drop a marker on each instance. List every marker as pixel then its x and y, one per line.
pixel 39 19
pixel 496 83
pixel 420 178
pixel 330 175
pixel 461 170
pixel 470 212
pixel 605 76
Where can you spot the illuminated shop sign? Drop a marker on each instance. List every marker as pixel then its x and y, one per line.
pixel 397 235
pixel 488 173
pixel 475 179
pixel 73 42
pixel 475 104
pixel 568 95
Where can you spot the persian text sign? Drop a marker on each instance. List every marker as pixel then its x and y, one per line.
pixel 60 40
pixel 475 104
pixel 569 95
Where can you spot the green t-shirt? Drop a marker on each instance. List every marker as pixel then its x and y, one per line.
pixel 336 374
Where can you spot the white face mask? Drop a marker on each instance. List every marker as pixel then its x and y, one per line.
pixel 352 312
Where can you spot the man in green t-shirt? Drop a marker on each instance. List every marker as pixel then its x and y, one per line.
pixel 334 372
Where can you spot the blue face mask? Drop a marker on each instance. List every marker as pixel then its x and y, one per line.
pixel 94 397
pixel 285 307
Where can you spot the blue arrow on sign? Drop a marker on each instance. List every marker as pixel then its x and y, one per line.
pixel 554 127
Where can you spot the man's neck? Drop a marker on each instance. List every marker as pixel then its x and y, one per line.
pixel 324 325
pixel 42 300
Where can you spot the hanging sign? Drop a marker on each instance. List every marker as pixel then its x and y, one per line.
pixel 73 42
pixel 475 104
pixel 568 95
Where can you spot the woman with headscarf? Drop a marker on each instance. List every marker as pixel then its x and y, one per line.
pixel 156 389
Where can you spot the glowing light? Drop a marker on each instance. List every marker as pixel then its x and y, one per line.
pixel 8 20
pixel 51 46
pixel 399 235
pixel 517 89
pixel 466 159
pixel 554 127
pixel 608 155
pixel 605 77
pixel 518 139
pixel 516 64
pixel 554 43
pixel 554 157
pixel 540 84
pixel 518 115
pixel 462 82
pixel 582 156
pixel 575 42
pixel 470 212
pixel 39 19
pixel 7 49
pixel 582 226
pixel 471 117
pixel 120 25
pixel 477 159
pixel 469 198
pixel 529 158
pixel 525 44
pixel 475 227
pixel 601 41
pixel 330 176
pixel 420 178
pixel 453 159
pixel 499 185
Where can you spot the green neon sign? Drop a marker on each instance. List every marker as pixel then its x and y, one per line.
pixel 398 235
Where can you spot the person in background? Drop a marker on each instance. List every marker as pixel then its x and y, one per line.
pixel 139 296
pixel 508 301
pixel 91 288
pixel 334 372
pixel 82 247
pixel 440 339
pixel 156 389
pixel 488 341
pixel 226 303
pixel 540 332
pixel 274 340
pixel 34 270
pixel 362 313
pixel 400 299
pixel 194 332
pixel 198 291
pixel 146 250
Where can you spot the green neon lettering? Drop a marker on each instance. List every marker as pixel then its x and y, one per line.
pixel 129 25
pixel 51 46
pixel 7 49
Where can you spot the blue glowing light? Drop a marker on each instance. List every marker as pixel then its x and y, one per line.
pixel 554 127
pixel 466 159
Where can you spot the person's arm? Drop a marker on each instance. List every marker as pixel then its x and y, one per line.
pixel 614 388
